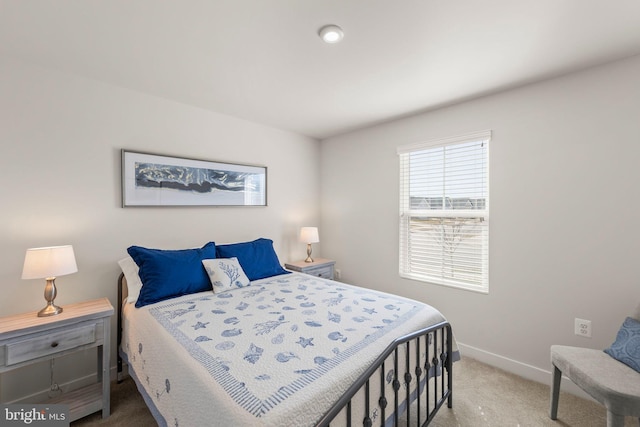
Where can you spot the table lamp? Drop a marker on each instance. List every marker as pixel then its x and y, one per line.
pixel 47 263
pixel 309 235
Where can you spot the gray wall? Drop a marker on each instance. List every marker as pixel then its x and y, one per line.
pixel 564 205
pixel 60 142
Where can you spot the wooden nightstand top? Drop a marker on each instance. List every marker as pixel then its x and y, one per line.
pixel 20 324
pixel 317 262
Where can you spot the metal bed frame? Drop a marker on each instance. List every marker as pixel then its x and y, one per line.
pixel 424 343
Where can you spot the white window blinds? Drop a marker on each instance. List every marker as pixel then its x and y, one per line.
pixel 444 211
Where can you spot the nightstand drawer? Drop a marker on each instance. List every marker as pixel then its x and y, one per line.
pixel 324 272
pixel 55 342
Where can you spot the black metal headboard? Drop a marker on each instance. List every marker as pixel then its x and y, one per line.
pixel 122 294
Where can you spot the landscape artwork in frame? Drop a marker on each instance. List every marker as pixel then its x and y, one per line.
pixel 157 180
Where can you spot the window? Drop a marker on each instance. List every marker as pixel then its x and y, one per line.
pixel 444 211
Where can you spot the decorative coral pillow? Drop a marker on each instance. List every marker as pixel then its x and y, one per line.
pixel 225 274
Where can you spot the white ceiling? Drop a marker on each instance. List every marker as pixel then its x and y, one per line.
pixel 262 60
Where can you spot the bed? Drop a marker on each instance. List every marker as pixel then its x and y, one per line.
pixel 286 349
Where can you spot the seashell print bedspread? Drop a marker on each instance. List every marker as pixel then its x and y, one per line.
pixel 277 353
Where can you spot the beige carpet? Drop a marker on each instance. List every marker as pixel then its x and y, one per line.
pixel 483 396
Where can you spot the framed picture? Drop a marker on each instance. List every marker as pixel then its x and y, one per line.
pixel 156 180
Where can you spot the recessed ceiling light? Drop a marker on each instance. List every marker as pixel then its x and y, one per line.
pixel 331 33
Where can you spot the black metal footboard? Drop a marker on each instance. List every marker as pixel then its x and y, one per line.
pixel 419 369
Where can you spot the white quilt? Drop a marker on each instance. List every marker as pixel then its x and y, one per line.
pixel 277 353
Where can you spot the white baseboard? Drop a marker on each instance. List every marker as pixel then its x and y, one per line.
pixel 524 370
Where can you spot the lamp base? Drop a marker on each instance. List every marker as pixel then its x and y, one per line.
pixel 309 259
pixel 50 293
pixel 50 310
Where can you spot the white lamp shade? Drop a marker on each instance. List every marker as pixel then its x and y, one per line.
pixel 41 263
pixel 309 235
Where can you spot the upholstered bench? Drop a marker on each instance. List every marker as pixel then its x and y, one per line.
pixel 610 382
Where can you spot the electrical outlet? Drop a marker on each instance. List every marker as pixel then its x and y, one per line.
pixel 583 328
pixel 337 273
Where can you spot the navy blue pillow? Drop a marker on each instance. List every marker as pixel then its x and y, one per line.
pixel 257 258
pixel 171 273
pixel 626 347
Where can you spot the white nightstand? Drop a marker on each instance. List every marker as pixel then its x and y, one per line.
pixel 26 339
pixel 320 267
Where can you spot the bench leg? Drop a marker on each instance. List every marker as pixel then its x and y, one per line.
pixel 555 393
pixel 614 420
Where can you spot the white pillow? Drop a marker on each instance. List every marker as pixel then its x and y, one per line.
pixel 225 274
pixel 134 284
